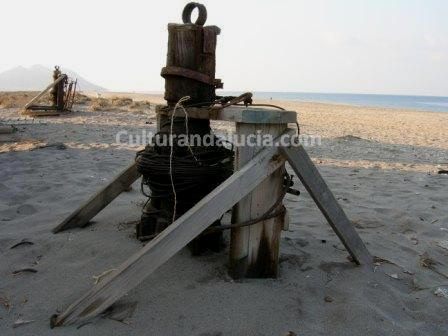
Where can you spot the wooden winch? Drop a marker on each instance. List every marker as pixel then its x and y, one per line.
pixel 252 189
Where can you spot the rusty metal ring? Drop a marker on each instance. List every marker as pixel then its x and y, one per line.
pixel 186 14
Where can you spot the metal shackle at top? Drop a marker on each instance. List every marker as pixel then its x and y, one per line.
pixel 186 13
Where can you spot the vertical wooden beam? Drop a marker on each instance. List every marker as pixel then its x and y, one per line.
pixel 72 99
pixel 254 249
pixel 60 94
pixel 67 96
pixel 191 49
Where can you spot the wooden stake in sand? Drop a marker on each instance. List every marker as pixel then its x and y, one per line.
pixel 254 249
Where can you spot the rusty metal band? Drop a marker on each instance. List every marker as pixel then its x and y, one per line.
pixel 187 73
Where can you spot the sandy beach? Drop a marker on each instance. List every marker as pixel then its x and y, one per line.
pixel 382 165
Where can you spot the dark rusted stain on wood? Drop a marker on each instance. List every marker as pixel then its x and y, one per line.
pixel 266 263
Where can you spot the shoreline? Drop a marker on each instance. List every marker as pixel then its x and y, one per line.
pixel 369 106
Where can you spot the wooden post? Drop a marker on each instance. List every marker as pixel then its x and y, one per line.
pixel 60 95
pixel 67 96
pixel 190 63
pixel 254 249
pixel 72 100
pixel 54 91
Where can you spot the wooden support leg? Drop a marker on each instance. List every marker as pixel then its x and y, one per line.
pixel 327 203
pixel 60 96
pixel 100 200
pixel 172 239
pixel 254 249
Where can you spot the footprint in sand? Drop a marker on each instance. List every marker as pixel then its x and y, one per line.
pixel 412 236
pixel 7 215
pixel 37 188
pixel 26 209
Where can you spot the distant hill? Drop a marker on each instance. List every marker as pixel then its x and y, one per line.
pixel 36 78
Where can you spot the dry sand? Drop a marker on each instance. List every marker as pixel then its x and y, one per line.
pixel 381 164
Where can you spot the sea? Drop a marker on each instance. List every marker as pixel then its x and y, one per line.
pixel 425 103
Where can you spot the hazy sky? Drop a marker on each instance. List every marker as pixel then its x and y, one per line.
pixel 354 46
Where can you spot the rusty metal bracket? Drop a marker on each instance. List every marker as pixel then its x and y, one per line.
pixel 188 73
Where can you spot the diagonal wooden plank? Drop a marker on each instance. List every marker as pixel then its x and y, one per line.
pixel 81 216
pixel 327 203
pixel 44 91
pixel 172 239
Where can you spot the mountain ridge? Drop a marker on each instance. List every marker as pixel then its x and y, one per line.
pixel 37 77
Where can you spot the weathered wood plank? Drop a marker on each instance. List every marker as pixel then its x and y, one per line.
pixel 254 249
pixel 67 96
pixel 60 95
pixel 190 71
pixel 326 202
pixel 100 200
pixel 48 88
pixel 7 129
pixel 72 100
pixel 239 114
pixel 172 239
pixel 42 113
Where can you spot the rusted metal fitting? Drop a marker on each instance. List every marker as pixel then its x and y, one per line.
pixel 202 17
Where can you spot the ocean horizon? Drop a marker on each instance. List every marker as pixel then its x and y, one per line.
pixel 425 103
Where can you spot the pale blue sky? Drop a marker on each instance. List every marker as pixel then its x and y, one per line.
pixel 353 46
